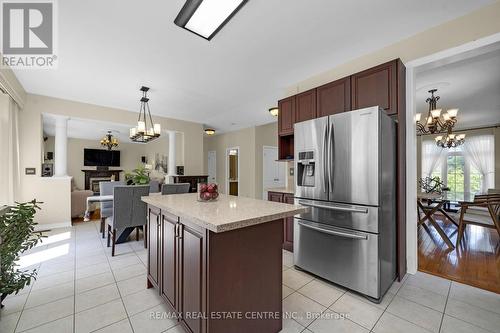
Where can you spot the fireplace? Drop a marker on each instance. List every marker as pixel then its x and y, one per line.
pixel 93 177
pixel 94 183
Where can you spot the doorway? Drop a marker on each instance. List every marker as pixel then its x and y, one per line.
pixel 233 171
pixel 212 166
pixel 273 172
pixel 432 246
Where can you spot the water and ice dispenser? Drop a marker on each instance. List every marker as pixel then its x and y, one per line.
pixel 306 168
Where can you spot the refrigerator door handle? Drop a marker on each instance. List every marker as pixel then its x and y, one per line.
pixel 338 208
pixel 334 232
pixel 325 159
pixel 331 157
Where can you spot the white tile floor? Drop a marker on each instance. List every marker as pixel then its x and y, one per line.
pixel 81 288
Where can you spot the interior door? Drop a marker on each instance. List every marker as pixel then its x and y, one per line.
pixel 212 166
pixel 273 171
pixel 353 163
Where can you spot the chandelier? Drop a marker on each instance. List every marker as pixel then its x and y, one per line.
pixel 450 140
pixel 145 130
pixel 109 141
pixel 435 122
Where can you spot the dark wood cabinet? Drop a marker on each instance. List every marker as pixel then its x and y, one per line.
pixel 305 107
pixel 193 180
pixel 286 116
pixel 376 86
pixel 275 196
pixel 334 97
pixel 288 225
pixel 288 222
pixel 202 273
pixel 153 235
pixel 383 85
pixel 192 258
pixel 169 259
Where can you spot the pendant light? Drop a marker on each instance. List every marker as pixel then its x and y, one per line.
pixel 145 130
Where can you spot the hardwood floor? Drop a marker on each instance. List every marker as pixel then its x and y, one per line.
pixel 476 262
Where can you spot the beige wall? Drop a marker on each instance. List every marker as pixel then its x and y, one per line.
pixel 265 135
pixel 55 192
pixel 245 140
pixel 481 23
pixel 250 141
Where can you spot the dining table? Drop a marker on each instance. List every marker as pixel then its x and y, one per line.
pixel 93 199
pixel 435 203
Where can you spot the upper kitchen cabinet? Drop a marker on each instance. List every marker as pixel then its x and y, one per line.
pixel 334 97
pixel 377 86
pixel 306 106
pixel 286 116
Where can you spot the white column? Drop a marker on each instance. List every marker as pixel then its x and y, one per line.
pixel 61 147
pixel 172 167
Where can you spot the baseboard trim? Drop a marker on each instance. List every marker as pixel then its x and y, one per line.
pixel 45 226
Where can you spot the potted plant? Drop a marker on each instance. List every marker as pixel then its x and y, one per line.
pixel 17 234
pixel 139 176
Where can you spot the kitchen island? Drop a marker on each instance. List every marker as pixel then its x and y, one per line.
pixel 218 264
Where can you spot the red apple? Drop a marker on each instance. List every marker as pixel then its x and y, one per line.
pixel 203 188
pixel 215 195
pixel 206 196
pixel 211 188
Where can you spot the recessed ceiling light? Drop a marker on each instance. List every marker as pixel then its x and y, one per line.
pixel 206 17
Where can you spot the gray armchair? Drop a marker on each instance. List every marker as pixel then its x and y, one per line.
pixel 128 211
pixel 106 188
pixel 175 188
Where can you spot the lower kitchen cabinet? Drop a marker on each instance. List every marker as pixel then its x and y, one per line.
pixel 288 225
pixel 192 276
pixel 153 234
pixel 288 222
pixel 204 275
pixel 169 258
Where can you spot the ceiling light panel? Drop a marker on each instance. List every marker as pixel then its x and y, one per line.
pixel 207 17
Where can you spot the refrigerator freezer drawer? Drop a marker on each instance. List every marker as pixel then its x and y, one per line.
pixel 343 256
pixel 363 218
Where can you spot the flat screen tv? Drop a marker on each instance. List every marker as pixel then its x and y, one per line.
pixel 101 157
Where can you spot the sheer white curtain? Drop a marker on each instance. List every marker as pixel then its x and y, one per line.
pixel 479 151
pixel 9 150
pixel 431 157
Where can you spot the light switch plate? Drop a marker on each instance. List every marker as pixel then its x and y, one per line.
pixel 30 171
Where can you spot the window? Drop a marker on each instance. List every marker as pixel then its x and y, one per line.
pixel 467 168
pixel 459 174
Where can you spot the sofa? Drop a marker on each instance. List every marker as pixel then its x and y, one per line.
pixel 79 200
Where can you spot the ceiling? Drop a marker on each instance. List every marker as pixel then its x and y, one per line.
pixel 470 83
pixel 108 49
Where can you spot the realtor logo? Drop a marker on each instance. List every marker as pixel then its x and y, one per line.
pixel 28 34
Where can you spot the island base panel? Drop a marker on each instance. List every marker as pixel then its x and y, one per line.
pixel 245 276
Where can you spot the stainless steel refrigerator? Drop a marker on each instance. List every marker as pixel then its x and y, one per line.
pixel 346 173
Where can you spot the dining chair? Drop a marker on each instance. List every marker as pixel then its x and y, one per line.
pixel 106 188
pixel 154 186
pixel 175 188
pixel 129 211
pixel 472 213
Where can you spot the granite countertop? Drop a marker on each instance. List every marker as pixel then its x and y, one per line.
pixel 281 190
pixel 227 213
